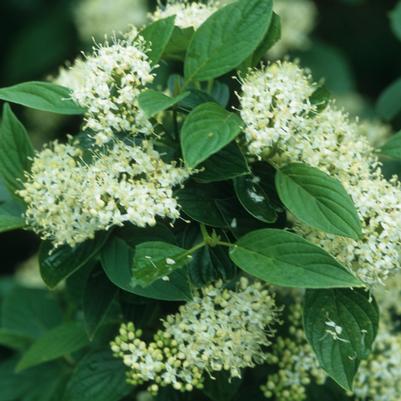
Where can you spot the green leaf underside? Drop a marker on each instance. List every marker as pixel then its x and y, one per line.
pixel 98 376
pixel 286 259
pixel 158 35
pixel 254 199
pixel 15 150
pixel 62 340
pixel 206 130
pixel 157 260
pixel 389 103
pixel 392 148
pixel 318 200
pixel 60 263
pixel 227 38
pixel 228 163
pixel 117 261
pixel 356 314
pixel 41 96
pixel 153 102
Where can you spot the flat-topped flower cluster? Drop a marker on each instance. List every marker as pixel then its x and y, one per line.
pixel 218 330
pixel 284 125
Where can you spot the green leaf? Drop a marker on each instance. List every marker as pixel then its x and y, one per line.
pixel 98 376
pixel 178 44
pixel 321 98
pixel 206 130
pixel 272 36
pixel 395 20
pixel 254 199
pixel 62 340
pixel 41 96
pixel 9 222
pixel 285 259
pixel 156 260
pixel 220 93
pixel 318 200
pixel 389 103
pixel 29 312
pixel 153 102
pixel 41 383
pixel 158 35
pixel 196 98
pixel 227 38
pixel 13 340
pixel 226 164
pixel 392 148
pixel 340 352
pixel 58 264
pixel 202 203
pixel 98 297
pixel 15 150
pixel 117 261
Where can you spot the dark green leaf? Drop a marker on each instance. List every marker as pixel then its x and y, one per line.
pixel 318 200
pixel 341 326
pixel 98 376
pixel 254 199
pixel 153 102
pixel 395 20
pixel 62 340
pixel 58 264
pixel 41 383
pixel 389 104
pixel 196 98
pixel 9 222
pixel 392 148
pixel 117 261
pixel 220 93
pixel 158 35
pixel 227 38
pixel 226 164
pixel 15 150
pixel 157 260
pixel 178 44
pixel 202 203
pixel 29 312
pixel 271 38
pixel 282 258
pixel 206 130
pixel 41 96
pixel 13 340
pixel 321 98
pixel 97 300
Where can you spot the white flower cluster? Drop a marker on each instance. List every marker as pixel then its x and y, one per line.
pixel 294 360
pixel 96 18
pixel 114 77
pixel 274 101
pixel 69 200
pixel 283 125
pixel 72 76
pixel 375 131
pixel 297 22
pixel 219 329
pixel 187 14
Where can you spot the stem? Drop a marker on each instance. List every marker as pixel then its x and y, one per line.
pixel 227 244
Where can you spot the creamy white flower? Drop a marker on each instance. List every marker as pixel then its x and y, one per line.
pixel 72 76
pixel 69 200
pixel 187 14
pixel 96 18
pixel 219 329
pixel 274 102
pixel 114 77
pixel 330 141
pixel 375 131
pixel 297 22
